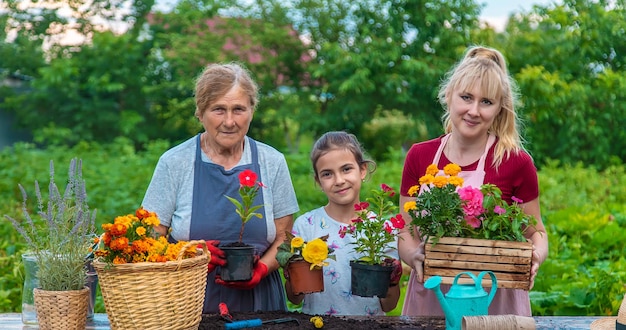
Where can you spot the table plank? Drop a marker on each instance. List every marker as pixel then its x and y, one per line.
pixel 13 321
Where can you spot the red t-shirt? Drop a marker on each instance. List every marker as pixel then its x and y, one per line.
pixel 516 176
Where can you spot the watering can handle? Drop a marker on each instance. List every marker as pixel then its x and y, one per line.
pixel 478 286
pixel 494 284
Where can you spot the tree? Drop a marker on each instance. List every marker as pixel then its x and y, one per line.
pixel 569 63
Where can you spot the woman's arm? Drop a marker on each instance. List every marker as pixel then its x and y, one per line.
pixel 410 246
pixel 537 235
pixel 269 257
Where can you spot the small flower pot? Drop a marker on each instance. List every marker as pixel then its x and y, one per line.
pixel 62 309
pixel 239 263
pixel 370 280
pixel 303 279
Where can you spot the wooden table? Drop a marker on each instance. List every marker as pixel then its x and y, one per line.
pixel 13 321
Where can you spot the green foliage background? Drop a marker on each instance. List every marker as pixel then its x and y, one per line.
pixel 584 210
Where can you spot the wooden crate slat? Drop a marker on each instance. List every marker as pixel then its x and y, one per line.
pixel 480 258
pixel 510 261
pixel 501 276
pixel 484 242
pixel 510 268
pixel 479 250
pixel 487 283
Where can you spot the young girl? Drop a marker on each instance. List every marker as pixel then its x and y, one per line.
pixel 339 168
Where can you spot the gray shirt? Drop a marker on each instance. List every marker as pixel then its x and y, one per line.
pixel 171 189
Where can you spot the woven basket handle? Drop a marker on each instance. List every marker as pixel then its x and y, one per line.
pixel 205 250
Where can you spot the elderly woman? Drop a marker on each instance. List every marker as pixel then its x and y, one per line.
pixel 189 184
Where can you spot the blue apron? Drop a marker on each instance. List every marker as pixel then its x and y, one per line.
pixel 213 217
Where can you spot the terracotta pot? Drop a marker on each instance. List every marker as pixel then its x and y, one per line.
pixel 303 279
pixel 239 263
pixel 62 309
pixel 370 280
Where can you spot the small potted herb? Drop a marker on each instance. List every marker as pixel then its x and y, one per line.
pixel 60 236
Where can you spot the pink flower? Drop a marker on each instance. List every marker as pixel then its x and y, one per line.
pixel 472 200
pixel 517 200
pixel 499 210
pixel 474 222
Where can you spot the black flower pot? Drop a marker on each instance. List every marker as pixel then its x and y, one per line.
pixel 239 263
pixel 370 280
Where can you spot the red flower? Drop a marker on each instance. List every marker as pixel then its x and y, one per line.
pixel 388 189
pixel 362 206
pixel 398 221
pixel 247 178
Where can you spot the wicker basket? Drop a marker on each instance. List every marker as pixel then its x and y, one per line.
pixel 151 295
pixel 61 309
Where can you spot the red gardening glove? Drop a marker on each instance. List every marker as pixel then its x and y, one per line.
pixel 217 255
pixel 259 272
pixel 396 273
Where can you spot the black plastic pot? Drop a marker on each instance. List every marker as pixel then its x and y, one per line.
pixel 239 263
pixel 370 280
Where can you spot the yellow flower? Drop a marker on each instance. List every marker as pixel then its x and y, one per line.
pixel 432 170
pixel 296 243
pixel 409 206
pixel 427 179
pixel 413 190
pixel 451 169
pixel 317 321
pixel 141 231
pixel 315 252
pixel 456 180
pixel 440 181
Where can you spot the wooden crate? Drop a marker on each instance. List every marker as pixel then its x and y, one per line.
pixel 510 261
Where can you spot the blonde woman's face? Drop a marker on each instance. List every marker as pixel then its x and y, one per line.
pixel 471 112
pixel 227 120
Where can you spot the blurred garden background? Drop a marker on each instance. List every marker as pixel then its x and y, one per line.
pixel 121 94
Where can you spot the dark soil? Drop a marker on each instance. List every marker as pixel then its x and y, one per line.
pixel 213 321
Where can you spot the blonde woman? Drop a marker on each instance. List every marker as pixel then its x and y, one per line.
pixel 482 136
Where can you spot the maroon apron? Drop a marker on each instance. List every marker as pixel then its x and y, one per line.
pixel 420 301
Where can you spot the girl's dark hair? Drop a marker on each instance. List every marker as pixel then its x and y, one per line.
pixel 335 140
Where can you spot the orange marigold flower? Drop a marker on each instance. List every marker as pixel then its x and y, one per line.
pixel 440 181
pixel 141 231
pixel 152 221
pixel 119 244
pixel 456 180
pixel 118 229
pixel 142 213
pixel 432 170
pixel 451 169
pixel 119 260
pixel 426 179
pixel 413 190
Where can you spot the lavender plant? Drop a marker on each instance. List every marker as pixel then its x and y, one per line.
pixel 60 234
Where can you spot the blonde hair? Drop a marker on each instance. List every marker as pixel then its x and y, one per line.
pixel 216 80
pixel 487 68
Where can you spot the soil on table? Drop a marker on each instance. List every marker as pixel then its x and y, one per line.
pixel 302 321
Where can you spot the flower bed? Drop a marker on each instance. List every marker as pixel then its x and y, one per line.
pixel 510 261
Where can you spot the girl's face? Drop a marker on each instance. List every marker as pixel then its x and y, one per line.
pixel 472 113
pixel 228 119
pixel 340 177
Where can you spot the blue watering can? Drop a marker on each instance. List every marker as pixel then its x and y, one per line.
pixel 463 299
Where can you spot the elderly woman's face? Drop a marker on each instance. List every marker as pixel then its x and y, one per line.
pixel 227 120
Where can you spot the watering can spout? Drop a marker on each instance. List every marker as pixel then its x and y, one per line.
pixel 434 283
